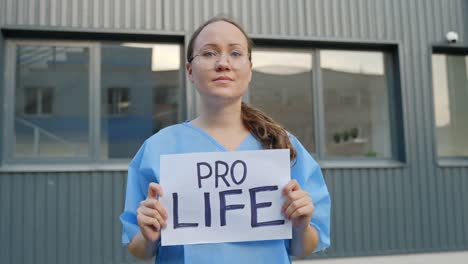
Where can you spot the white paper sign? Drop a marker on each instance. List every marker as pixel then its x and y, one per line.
pixel 224 196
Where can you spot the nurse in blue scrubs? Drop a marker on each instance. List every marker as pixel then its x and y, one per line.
pixel 219 65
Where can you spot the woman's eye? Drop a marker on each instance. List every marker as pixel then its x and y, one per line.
pixel 236 54
pixel 209 54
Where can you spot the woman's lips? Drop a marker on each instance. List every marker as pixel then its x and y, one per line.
pixel 223 79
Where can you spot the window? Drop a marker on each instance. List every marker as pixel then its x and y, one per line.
pixel 355 104
pixel 38 131
pixel 337 102
pixel 281 86
pixel 450 90
pixel 89 101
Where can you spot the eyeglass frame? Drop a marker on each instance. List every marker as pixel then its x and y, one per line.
pixel 248 54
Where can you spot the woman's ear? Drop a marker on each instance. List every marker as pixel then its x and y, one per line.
pixel 188 67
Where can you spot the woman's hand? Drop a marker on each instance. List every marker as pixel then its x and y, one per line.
pixel 151 216
pixel 298 206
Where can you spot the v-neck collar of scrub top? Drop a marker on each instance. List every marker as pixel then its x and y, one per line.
pixel 212 140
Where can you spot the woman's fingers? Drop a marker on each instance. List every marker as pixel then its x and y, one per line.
pixel 292 186
pixel 154 214
pixel 151 215
pixel 154 204
pixel 149 227
pixel 298 206
pixel 303 211
pixel 145 221
pixel 155 190
pixel 291 206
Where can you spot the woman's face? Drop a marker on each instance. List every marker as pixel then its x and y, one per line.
pixel 225 76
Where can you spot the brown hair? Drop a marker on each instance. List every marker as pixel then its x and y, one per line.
pixel 270 134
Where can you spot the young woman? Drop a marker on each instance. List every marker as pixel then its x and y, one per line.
pixel 219 65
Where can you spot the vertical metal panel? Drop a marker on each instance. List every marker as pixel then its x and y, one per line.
pixel 380 12
pixel 254 15
pixel 264 29
pixel 428 29
pixel 20 9
pixel 334 12
pixel 419 140
pixel 15 214
pixel 464 209
pixel 167 10
pixel 2 83
pixel 300 14
pixel 464 20
pixel 345 18
pixel 244 14
pixel 6 204
pixel 5 201
pixel 2 12
pixel 308 13
pixel 327 16
pixel 449 190
pixel 138 15
pixel 292 18
pixel 9 11
pixel 225 7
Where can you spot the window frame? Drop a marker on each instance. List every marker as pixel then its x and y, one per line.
pixel 93 160
pixel 10 84
pixel 443 161
pixel 392 53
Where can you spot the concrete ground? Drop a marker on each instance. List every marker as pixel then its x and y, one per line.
pixel 459 257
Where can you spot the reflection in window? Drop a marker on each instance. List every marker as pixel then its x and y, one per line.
pixel 356 104
pixel 450 87
pixel 38 100
pixel 282 87
pixel 38 133
pixel 144 95
pixel 118 101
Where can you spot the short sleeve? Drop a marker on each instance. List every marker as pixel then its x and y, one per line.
pixel 309 176
pixel 138 179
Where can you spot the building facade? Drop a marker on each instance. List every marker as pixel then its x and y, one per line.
pixel 376 90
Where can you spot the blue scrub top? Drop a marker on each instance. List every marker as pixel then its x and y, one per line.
pixel 187 138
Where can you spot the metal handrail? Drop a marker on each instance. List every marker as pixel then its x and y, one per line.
pixel 38 130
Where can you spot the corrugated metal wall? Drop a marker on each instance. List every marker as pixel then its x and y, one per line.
pixel 72 217
pixel 62 217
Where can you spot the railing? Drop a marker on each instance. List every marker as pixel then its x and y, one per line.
pixel 37 130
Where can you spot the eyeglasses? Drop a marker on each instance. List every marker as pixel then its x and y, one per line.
pixel 209 58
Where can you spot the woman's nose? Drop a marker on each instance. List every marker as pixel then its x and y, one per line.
pixel 222 63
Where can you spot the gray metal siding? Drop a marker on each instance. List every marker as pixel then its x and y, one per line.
pixel 393 211
pixel 356 19
pixel 62 217
pixel 73 217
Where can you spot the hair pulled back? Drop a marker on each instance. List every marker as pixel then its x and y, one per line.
pixel 270 134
